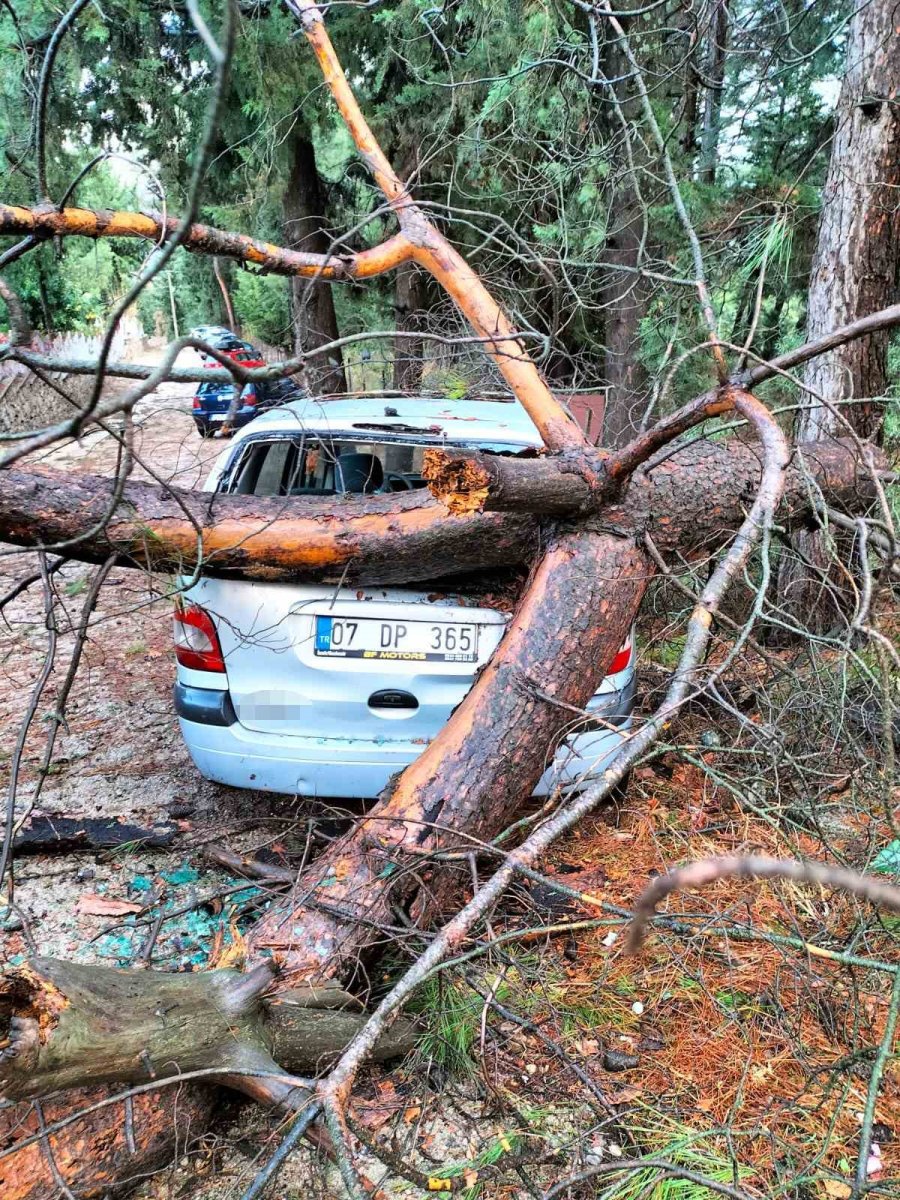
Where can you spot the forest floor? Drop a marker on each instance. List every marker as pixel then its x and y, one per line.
pixel 736 1045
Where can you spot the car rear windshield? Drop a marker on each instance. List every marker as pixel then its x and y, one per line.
pixel 311 466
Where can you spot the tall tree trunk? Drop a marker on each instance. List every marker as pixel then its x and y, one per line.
pixel 855 270
pixel 226 294
pixel 689 112
pixel 410 306
pixel 715 79
pixel 624 293
pixel 312 304
pixel 624 296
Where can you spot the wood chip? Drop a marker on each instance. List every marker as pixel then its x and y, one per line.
pixel 93 905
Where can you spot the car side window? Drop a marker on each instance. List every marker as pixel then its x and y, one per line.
pixel 262 469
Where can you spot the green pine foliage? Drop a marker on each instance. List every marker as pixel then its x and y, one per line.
pixel 499 111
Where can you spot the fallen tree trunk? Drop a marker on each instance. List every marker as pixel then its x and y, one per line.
pixel 357 539
pixel 70 1025
pixel 101 1151
pixel 687 497
pixel 474 776
pixel 692 489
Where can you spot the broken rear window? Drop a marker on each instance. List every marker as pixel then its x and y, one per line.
pixel 312 466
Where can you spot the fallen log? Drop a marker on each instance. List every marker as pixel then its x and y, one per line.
pixel 68 835
pixel 101 1151
pixel 67 1025
pixel 687 497
pixel 692 488
pixel 356 539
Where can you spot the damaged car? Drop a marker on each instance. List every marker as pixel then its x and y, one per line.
pixel 327 691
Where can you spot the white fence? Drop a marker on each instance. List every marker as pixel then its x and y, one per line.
pixel 75 345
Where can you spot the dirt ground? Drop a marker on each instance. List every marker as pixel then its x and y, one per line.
pixel 119 753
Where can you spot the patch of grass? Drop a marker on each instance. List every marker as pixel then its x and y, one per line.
pixel 493 1153
pixel 75 587
pixel 136 648
pixel 666 653
pixel 740 1003
pixel 451 1012
pixel 593 1016
pixel 683 1147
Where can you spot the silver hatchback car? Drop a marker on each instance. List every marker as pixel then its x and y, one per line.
pixel 326 691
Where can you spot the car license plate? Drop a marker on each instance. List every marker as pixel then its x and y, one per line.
pixel 395 641
pixel 218 416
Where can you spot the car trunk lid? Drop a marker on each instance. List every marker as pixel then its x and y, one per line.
pixel 375 666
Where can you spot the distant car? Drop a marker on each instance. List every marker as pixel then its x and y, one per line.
pixel 213 401
pixel 210 333
pixel 327 691
pixel 247 358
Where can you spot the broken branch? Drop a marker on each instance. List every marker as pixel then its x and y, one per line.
pixel 42 222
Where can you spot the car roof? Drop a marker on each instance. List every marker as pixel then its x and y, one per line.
pixel 497 419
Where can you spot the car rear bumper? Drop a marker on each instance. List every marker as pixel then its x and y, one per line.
pixel 242 417
pixel 331 768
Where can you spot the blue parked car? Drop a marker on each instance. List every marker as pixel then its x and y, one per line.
pixel 213 402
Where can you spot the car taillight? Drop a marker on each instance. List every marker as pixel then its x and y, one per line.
pixel 196 640
pixel 197 403
pixel 249 396
pixel 622 659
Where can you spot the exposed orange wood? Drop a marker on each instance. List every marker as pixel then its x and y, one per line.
pixel 48 222
pixel 391 538
pixel 93 1155
pixel 433 252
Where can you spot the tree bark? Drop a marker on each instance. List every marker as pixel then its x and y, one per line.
pixel 624 292
pixel 410 306
pixel 688 498
pixel 472 778
pixel 855 268
pixel 717 41
pixel 624 301
pixel 312 302
pixel 105 1152
pixel 855 271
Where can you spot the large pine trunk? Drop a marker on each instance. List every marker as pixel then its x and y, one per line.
pixel 312 303
pixel 855 271
pixel 717 39
pixel 624 294
pixel 410 308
